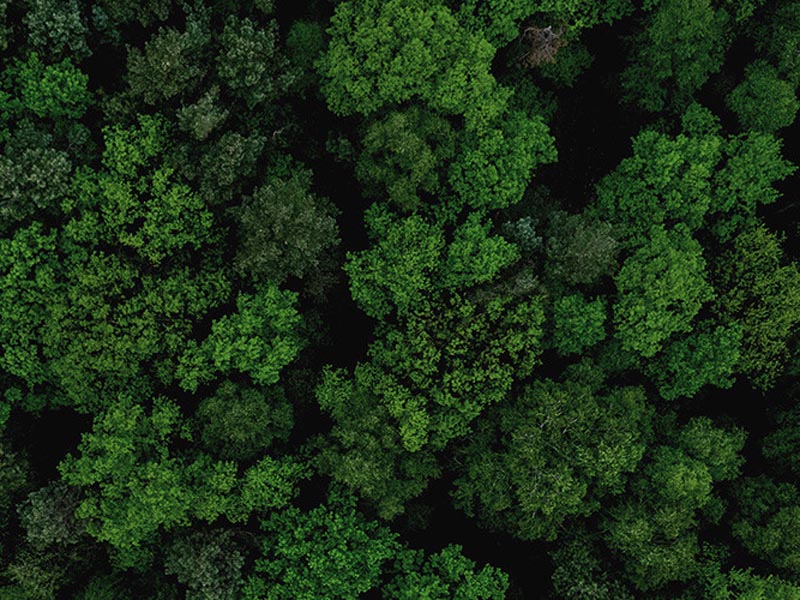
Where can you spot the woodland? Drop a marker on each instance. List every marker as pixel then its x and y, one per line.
pixel 399 300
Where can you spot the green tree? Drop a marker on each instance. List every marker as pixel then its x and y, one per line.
pixel 284 229
pixel 577 323
pixel 767 519
pixel 388 52
pixel 239 423
pixel 683 42
pixel 762 86
pixel 660 289
pixel 363 449
pixel 708 356
pixel 782 444
pixel 580 572
pixel 171 65
pixel 208 563
pixel 142 202
pixel 251 63
pixel 579 249
pixel 753 163
pixel 756 288
pixel 446 575
pixel 666 180
pixel 259 339
pixel 331 551
pixel 57 28
pixel 133 481
pixel 562 448
pixel 404 155
pixel 56 91
pixel 654 527
pixel 494 164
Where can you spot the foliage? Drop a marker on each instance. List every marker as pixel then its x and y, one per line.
pixel 284 229
pixel 442 576
pixel 57 28
pixel 766 522
pixel 654 527
pixel 169 66
pixel 681 45
pixel 331 551
pixel 384 53
pixel 562 448
pixel 762 86
pixel 208 563
pixel 762 293
pixel 579 248
pixel 708 356
pixel 48 515
pixel 577 323
pixel 239 423
pixel 134 485
pixel 259 339
pixel 666 180
pixel 403 154
pixel 250 63
pixel 660 289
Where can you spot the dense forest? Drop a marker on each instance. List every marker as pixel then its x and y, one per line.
pixel 399 299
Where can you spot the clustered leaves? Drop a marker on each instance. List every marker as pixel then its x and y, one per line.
pixel 307 302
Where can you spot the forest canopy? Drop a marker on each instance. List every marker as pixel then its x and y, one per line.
pixel 399 299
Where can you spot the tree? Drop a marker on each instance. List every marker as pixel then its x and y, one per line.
pixel 227 165
pixel 170 66
pixel 56 91
pixel 239 423
pixel 34 181
pixel 580 572
pixel 384 53
pixel 777 38
pixel 579 249
pixel 250 62
pixel 209 563
pixel 405 156
pixel 411 260
pixel 259 339
pixel 134 485
pixel 141 201
pixel 781 445
pixel 57 28
pixel 500 20
pixel 364 450
pixel 760 87
pixel 654 527
pixel 48 515
pixel 284 229
pixel 562 448
pixel 442 576
pixel 494 164
pixel 753 163
pixel 331 551
pixel 738 583
pixel 660 289
pixel 204 116
pixel 577 324
pixel 708 356
pixel 767 519
pixel 760 292
pixel 682 44
pixel 666 180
